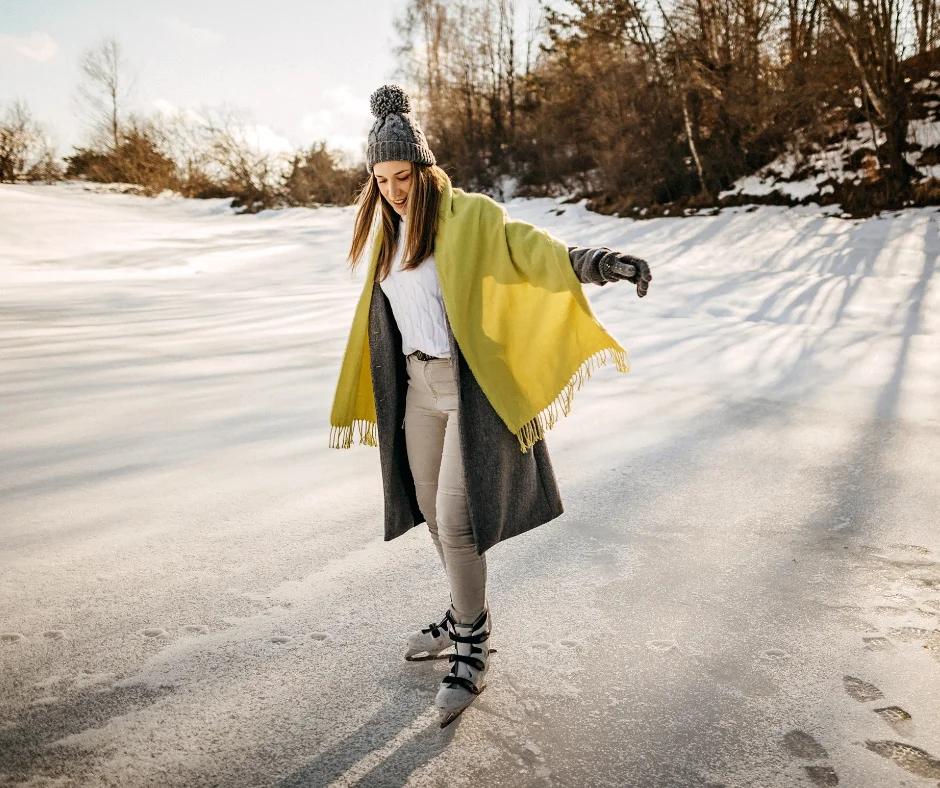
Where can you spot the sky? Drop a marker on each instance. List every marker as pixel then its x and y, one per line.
pixel 301 70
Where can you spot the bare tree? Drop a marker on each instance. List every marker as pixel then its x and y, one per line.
pixel 926 15
pixel 105 89
pixel 24 151
pixel 246 171
pixel 802 23
pixel 870 33
pixel 317 176
pixel 462 57
pixel 645 102
pixel 185 136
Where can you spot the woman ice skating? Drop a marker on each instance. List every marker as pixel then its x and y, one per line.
pixel 468 341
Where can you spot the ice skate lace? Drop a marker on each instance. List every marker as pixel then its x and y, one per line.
pixel 435 629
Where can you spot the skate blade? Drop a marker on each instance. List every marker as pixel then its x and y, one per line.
pixel 449 716
pixel 425 657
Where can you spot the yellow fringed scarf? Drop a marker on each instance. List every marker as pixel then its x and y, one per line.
pixel 518 313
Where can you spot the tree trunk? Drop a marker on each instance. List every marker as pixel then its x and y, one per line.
pixel 691 137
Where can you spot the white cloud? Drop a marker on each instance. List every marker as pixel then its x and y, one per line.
pixel 193 33
pixel 339 117
pixel 36 45
pixel 263 139
pixel 255 136
pixel 164 107
pixel 168 109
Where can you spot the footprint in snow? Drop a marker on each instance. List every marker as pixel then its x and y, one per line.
pixel 320 636
pixel 279 639
pixel 195 629
pixel 897 718
pixel 907 756
pixel 911 548
pixel 531 752
pixel 662 646
pixel 933 644
pixel 822 775
pixel 802 745
pixel 860 690
pixel 877 643
pixel 10 637
pixel 153 632
pixel 915 760
pixel 890 610
pixel 53 634
pixel 910 634
pixel 773 655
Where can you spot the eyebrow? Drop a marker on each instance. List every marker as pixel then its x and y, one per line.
pixel 397 173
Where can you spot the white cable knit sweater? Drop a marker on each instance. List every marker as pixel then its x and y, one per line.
pixel 415 297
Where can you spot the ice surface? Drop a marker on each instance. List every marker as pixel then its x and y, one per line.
pixel 194 589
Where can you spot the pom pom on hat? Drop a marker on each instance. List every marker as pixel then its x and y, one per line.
pixel 389 98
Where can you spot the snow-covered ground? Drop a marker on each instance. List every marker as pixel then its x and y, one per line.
pixel 744 588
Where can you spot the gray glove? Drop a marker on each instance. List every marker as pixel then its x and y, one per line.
pixel 600 265
pixel 615 266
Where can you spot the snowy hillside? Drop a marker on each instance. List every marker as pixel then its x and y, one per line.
pixel 744 588
pixel 811 171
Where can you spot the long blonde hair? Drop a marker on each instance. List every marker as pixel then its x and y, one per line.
pixel 423 202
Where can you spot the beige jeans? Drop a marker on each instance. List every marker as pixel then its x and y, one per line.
pixel 433 442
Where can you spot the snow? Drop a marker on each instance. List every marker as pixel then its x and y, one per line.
pixel 194 589
pixel 924 132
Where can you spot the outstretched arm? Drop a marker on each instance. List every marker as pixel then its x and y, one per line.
pixel 599 265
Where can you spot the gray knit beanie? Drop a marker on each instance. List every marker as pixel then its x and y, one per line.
pixel 395 136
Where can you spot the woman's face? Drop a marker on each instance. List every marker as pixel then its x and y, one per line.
pixel 394 180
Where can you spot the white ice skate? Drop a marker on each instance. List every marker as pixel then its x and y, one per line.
pixel 429 642
pixel 460 687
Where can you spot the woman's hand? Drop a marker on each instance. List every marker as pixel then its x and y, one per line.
pixel 615 266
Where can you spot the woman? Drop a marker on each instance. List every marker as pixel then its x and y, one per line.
pixel 469 338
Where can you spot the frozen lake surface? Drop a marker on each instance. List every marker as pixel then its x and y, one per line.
pixel 744 589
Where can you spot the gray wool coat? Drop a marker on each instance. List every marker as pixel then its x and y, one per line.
pixel 508 492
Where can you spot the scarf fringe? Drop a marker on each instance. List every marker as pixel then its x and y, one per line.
pixel 341 437
pixel 535 430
